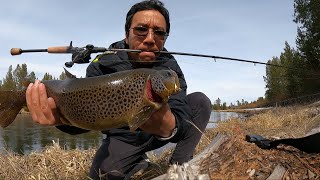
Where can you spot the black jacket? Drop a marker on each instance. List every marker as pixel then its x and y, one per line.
pixel 108 63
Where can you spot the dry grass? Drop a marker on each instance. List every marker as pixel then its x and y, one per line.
pixel 284 122
pixel 278 122
pixel 56 163
pixel 51 163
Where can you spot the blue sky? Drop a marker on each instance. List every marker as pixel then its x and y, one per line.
pixel 248 29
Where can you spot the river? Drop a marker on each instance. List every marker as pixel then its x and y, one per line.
pixel 23 136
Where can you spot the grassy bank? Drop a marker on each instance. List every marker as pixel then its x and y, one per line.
pixel 53 162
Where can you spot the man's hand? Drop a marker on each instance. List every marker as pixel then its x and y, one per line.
pixel 161 123
pixel 42 108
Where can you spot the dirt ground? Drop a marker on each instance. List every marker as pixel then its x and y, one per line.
pixel 238 159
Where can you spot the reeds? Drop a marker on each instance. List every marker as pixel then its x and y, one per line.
pixel 52 162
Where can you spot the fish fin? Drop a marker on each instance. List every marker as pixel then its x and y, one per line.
pixel 65 121
pixel 140 118
pixel 11 102
pixel 68 74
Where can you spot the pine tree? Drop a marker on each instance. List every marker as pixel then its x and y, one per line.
pixel 32 76
pixel 224 106
pixel 307 16
pixel 295 73
pixel 20 76
pixel 218 103
pixel 9 82
pixel 46 77
pixel 274 81
pixel 63 76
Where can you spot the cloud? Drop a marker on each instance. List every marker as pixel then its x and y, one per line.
pixel 19 32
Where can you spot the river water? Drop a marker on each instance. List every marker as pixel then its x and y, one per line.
pixel 23 136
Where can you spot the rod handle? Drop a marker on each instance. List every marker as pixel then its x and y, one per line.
pixel 58 49
pixel 15 51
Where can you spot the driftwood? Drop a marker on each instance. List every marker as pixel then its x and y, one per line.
pixel 191 169
pixel 277 173
pixel 315 104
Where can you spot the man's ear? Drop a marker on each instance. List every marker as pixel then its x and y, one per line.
pixel 127 38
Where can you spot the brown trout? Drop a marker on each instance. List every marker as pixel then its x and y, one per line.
pixel 126 98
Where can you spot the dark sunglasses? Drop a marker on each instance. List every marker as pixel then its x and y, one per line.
pixel 144 31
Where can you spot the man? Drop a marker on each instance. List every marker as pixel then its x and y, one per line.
pixel 122 152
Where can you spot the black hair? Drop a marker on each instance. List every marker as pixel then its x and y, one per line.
pixel 147 5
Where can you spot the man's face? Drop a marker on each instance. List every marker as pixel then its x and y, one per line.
pixel 150 20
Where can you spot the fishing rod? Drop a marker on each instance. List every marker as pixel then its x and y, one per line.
pixel 82 54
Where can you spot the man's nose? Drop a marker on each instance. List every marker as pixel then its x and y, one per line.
pixel 149 37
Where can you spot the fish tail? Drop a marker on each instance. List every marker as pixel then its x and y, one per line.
pixel 11 102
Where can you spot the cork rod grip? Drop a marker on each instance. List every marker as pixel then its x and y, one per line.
pixel 15 51
pixel 58 49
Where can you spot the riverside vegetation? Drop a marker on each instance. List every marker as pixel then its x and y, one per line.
pixel 241 157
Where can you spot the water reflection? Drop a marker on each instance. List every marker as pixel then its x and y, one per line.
pixel 24 136
pixel 222 116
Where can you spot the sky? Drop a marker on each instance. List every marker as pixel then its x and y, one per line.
pixel 247 29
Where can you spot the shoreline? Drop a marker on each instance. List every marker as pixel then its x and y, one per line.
pixel 250 110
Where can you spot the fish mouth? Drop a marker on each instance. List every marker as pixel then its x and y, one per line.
pixel 151 95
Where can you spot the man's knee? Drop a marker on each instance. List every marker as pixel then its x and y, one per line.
pixel 199 99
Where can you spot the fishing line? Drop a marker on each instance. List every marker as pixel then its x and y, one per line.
pixel 166 59
pixel 202 133
pixel 284 77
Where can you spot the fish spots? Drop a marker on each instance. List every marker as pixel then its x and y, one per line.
pixel 157 84
pixel 110 100
pixel 104 102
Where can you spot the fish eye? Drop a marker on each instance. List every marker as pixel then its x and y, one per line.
pixel 169 74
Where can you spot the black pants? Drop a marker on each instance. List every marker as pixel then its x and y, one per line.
pixel 118 159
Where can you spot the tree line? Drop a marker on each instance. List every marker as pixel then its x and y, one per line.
pixel 239 104
pixel 300 75
pixel 296 72
pixel 18 78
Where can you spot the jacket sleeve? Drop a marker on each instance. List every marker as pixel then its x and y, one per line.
pixel 179 107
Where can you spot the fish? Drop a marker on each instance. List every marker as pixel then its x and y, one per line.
pixel 125 98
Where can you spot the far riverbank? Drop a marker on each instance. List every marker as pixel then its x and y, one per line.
pixel 249 110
